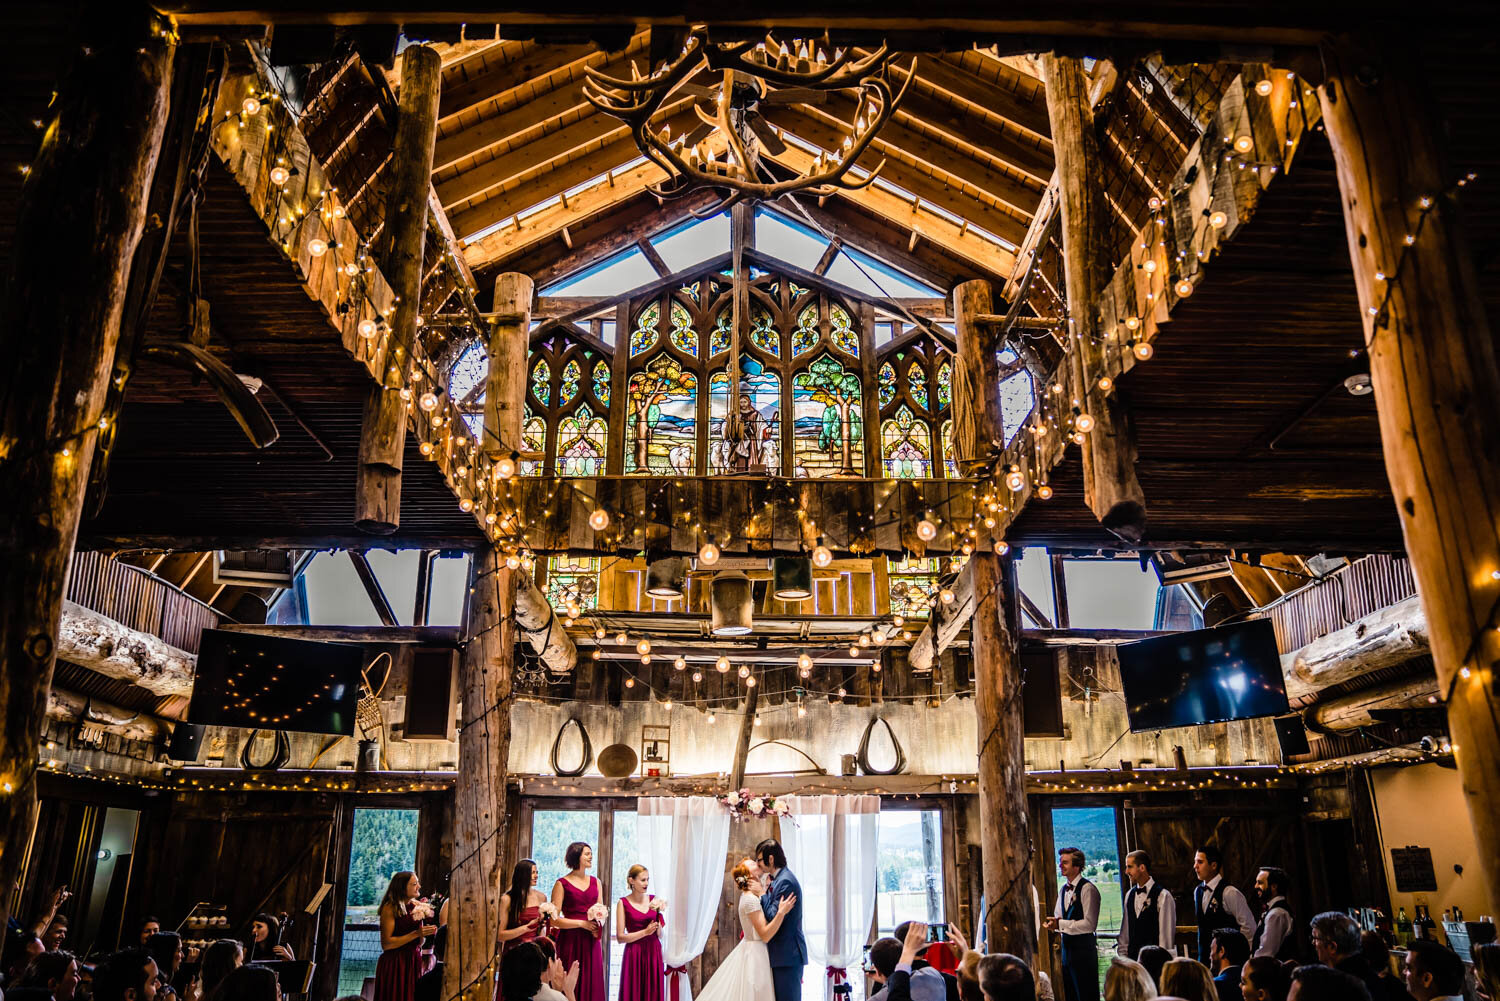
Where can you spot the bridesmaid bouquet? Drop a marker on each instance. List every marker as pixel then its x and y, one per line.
pixel 545 914
pixel 658 904
pixel 745 805
pixel 597 914
pixel 422 909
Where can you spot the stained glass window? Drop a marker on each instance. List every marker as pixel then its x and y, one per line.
pixel 760 399
pixel 692 290
pixel 533 439
pixel 794 290
pixel 601 382
pixel 913 585
pixel 945 386
pixel 916 384
pixel 948 461
pixel 718 339
pixel 805 337
pixel 573 579
pixel 763 332
pixel 581 442
pixel 541 381
pixel 887 378
pixel 844 337
pixel 571 373
pixel 684 337
pixel 661 422
pixel 644 336
pixel 906 447
pixel 1017 397
pixel 827 428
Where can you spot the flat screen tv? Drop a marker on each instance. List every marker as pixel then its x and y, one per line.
pixel 275 683
pixel 1205 676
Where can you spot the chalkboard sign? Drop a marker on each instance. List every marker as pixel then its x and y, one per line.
pixel 1413 869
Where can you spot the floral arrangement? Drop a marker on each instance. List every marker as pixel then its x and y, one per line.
pixel 745 805
pixel 658 904
pixel 598 913
pixel 546 910
pixel 422 909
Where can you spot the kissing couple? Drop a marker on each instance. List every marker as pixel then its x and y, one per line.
pixel 770 959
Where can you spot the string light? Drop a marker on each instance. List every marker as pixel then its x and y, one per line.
pixel 680 663
pixel 599 519
pixel 709 554
pixel 1084 423
pixel 505 468
pixel 926 530
pixel 822 556
pixel 1044 492
pixel 643 646
pixel 722 665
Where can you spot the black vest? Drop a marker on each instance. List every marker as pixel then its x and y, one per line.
pixel 1288 947
pixel 1074 912
pixel 1144 929
pixel 1212 915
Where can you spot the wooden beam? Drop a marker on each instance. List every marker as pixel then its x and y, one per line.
pixel 480 819
pixel 78 222
pixel 1006 95
pixel 371 584
pixel 1110 485
pixel 1356 710
pixel 505 384
pixel 1437 385
pixel 444 636
pixel 104 646
pixel 86 711
pixel 1004 821
pixel 504 78
pixel 830 254
pixel 945 625
pixel 652 257
pixel 382 443
pixel 542 629
pixel 742 743
pixel 1385 638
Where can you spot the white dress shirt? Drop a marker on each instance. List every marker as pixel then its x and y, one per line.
pixel 1089 896
pixel 1166 917
pixel 1277 926
pixel 1235 903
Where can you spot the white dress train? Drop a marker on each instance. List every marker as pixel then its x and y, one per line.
pixel 745 974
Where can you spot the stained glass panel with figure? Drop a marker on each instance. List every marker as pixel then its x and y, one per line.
pixel 760 403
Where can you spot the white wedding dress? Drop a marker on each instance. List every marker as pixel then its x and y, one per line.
pixel 745 974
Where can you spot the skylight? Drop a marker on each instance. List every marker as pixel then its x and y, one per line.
pixel 693 242
pixel 620 273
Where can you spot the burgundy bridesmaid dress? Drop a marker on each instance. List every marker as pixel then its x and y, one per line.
pixel 528 915
pixel 397 969
pixel 641 971
pixel 581 945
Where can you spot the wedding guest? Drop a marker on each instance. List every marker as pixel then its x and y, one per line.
pixel 1227 954
pixel 1127 980
pixel 1153 958
pixel 1077 919
pixel 923 962
pixel 251 983
pixel 150 925
pixel 1335 937
pixel 219 960
pixel 52 976
pixel 1487 970
pixel 401 937
pixel 1264 978
pixel 520 907
pixel 904 980
pixel 21 947
pixel 265 941
pixel 1216 904
pixel 525 970
pixel 56 933
pixel 1316 982
pixel 129 975
pixel 1375 952
pixel 580 921
pixel 638 922
pixel 166 948
pixel 1188 979
pixel 968 977
pixel 1275 935
pixel 1003 977
pixel 1434 972
pixel 926 982
pixel 1150 909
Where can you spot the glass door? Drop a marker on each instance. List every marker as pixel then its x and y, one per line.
pixel 1094 831
pixel 384 843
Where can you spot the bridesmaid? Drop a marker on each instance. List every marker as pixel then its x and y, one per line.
pixel 574 896
pixel 400 937
pixel 520 910
pixel 636 925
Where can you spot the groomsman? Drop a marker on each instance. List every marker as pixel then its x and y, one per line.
pixel 1150 909
pixel 1077 919
pixel 1274 935
pixel 1216 904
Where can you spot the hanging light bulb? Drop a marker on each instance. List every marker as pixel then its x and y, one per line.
pixel 599 519
pixel 1263 88
pixel 621 638
pixel 1149 266
pixel 425 448
pixel 1244 144
pixel 505 468
pixel 667 705
pixel 801 710
pixel 643 646
pixel 756 721
pixel 709 554
pixel 1044 492
pixel 1218 220
pixel 599 633
pixel 1001 547
pixel 1132 323
pixel 804 663
pixel 853 650
pixel 1084 423
pixel 679 664
pixel 1143 350
pixel 1015 479
pixel 317 246
pixel 251 105
pixel 822 556
pixel 946 596
pixel 351 269
pixel 645 658
pixel 428 401
pixel 722 665
pixel 744 671
pixel 366 327
pixel 629 682
pixel 1105 383
pixel 1184 288
pixel 280 175
pixel 697 676
pixel 864 639
pixel 712 718
pixel 466 505
pixel 926 530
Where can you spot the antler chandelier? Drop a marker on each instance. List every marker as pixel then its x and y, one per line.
pixel 750 75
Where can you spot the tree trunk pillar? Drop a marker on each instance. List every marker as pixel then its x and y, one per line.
pixel 479 835
pixel 1108 450
pixel 382 443
pixel 81 213
pixel 505 386
pixel 1437 388
pixel 1004 827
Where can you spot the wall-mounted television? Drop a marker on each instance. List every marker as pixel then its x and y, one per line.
pixel 275 683
pixel 1205 676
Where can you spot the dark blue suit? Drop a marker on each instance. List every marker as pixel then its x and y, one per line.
pixel 787 948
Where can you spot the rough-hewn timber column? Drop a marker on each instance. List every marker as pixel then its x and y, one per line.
pixel 382 443
pixel 1437 388
pixel 80 217
pixel 505 386
pixel 1108 451
pixel 1004 828
pixel 479 795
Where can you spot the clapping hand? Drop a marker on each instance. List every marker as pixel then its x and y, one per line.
pixel 786 903
pixel 570 982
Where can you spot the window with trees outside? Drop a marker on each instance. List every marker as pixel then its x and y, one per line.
pixel 384 843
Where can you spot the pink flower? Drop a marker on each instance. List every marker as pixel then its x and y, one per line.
pixel 598 913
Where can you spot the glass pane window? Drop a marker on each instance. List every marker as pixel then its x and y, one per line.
pixel 571 580
pixel 1034 573
pixel 661 435
pixel 1110 594
pixel 623 859
pixel 384 843
pixel 913 586
pixel 827 427
pixel 1092 831
pixel 909 869
pixel 552 831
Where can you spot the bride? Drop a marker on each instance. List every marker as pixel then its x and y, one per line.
pixel 745 974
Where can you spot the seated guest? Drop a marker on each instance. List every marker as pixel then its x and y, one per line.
pixel 265 941
pixel 1487 970
pixel 166 948
pixel 1188 979
pixel 251 983
pixel 522 971
pixel 1127 980
pixel 21 947
pixel 56 933
pixel 1434 972
pixel 968 978
pixel 1316 982
pixel 129 975
pixel 52 976
pixel 149 926
pixel 1264 979
pixel 1335 937
pixel 219 960
pixel 1227 954
pixel 1372 947
pixel 1003 977
pixel 927 983
pixel 1153 958
pixel 430 984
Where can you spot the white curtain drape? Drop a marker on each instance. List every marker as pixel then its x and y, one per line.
pixel 683 842
pixel 830 846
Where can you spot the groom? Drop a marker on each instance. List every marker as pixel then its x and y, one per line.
pixel 787 948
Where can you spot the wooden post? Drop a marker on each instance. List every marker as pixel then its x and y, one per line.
pixel 742 744
pixel 741 238
pixel 1004 829
pixel 382 442
pixel 1108 450
pixel 1437 387
pixel 505 386
pixel 81 212
pixel 485 679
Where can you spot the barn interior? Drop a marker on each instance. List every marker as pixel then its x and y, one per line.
pixel 876 408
